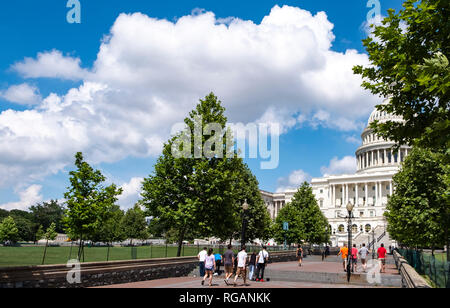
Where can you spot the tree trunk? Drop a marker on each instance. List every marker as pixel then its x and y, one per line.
pixel 180 241
pixel 45 252
pixel 79 247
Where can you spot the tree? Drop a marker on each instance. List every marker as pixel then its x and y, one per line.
pixel 44 214
pixel 418 213
pixel 306 220
pixel 49 235
pixel 134 224
pixel 40 233
pixel 291 215
pixel 88 201
pixel 409 64
pixel 9 231
pixel 314 221
pixel 196 194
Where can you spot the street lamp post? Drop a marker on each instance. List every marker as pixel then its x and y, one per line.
pixel 373 244
pixel 244 223
pixel 350 226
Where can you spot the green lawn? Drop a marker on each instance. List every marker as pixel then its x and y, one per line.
pixel 32 255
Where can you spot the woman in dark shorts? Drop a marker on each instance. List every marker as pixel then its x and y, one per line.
pixel 300 255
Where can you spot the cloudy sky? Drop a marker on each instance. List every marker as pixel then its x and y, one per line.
pixel 113 86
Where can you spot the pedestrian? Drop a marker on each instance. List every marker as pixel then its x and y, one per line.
pixel 363 253
pixel 382 258
pixel 210 266
pixel 218 258
pixel 354 258
pixel 327 251
pixel 201 261
pixel 261 261
pixel 251 266
pixel 344 253
pixel 300 255
pixel 241 266
pixel 228 261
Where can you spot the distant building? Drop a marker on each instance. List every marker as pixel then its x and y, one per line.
pixel 368 189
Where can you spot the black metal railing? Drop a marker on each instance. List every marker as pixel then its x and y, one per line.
pixel 436 267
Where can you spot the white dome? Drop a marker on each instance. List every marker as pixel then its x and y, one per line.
pixel 383 116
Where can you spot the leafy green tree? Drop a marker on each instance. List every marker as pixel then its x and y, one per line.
pixel 296 232
pixel 26 228
pixel 40 233
pixel 44 214
pixel 49 235
pixel 306 220
pixel 196 194
pixel 134 224
pixel 88 201
pixel 9 231
pixel 409 64
pixel 418 213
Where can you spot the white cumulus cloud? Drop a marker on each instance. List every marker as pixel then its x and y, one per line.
pixel 293 181
pixel 149 73
pixel 346 165
pixel 131 193
pixel 22 94
pixel 28 197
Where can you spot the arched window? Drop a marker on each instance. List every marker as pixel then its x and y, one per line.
pixel 341 228
pixel 354 229
pixel 368 228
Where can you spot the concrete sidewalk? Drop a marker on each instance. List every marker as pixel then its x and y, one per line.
pixel 313 274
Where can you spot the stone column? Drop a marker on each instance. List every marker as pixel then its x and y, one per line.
pixel 366 188
pixel 376 193
pixel 390 188
pixel 385 157
pixel 356 195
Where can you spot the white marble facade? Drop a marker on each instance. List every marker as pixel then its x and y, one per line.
pixel 368 189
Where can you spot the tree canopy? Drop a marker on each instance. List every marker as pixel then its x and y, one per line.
pixel 418 213
pixel 409 64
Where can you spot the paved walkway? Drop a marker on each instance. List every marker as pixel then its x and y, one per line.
pixel 285 276
pixel 218 283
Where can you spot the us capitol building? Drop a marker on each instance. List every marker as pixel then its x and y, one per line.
pixel 368 190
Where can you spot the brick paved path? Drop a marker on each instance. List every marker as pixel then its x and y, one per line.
pixel 288 269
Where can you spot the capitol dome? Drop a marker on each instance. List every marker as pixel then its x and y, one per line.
pixel 383 116
pixel 376 153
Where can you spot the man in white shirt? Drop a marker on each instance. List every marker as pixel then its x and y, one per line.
pixel 363 252
pixel 201 261
pixel 241 266
pixel 261 262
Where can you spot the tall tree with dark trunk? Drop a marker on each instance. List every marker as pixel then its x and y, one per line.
pixel 88 201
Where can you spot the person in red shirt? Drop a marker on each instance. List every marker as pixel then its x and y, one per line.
pixel 354 258
pixel 382 258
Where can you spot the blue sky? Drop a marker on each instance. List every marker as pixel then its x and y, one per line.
pixel 53 72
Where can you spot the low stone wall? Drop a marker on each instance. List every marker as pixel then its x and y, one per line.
pixel 107 273
pixel 96 274
pixel 410 278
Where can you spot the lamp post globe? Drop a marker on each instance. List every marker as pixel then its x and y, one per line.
pixel 350 207
pixel 245 207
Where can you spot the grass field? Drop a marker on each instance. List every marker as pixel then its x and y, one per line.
pixel 32 255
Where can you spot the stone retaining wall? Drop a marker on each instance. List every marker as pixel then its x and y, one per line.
pixel 410 278
pixel 107 273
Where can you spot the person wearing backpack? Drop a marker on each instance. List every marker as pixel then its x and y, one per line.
pixel 261 262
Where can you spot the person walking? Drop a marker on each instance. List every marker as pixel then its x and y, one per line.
pixel 382 258
pixel 251 266
pixel 327 251
pixel 344 253
pixel 241 266
pixel 261 262
pixel 228 261
pixel 218 258
pixel 300 255
pixel 354 258
pixel 363 253
pixel 201 261
pixel 210 266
